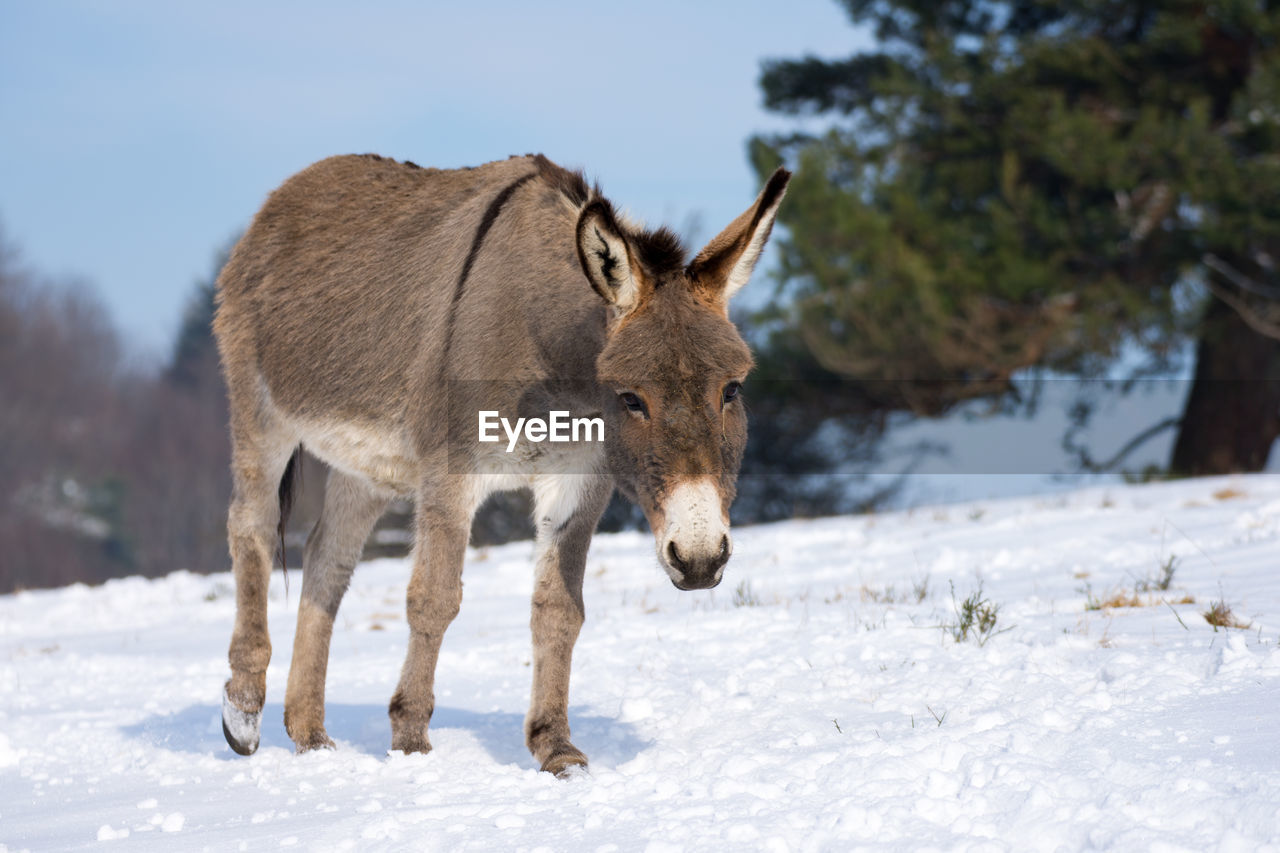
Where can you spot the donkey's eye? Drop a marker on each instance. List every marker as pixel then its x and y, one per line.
pixel 633 403
pixel 731 391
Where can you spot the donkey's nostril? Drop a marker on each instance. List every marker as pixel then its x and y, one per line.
pixel 674 556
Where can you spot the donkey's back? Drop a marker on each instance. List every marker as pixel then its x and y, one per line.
pixel 362 286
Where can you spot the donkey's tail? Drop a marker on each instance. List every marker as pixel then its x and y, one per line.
pixel 288 489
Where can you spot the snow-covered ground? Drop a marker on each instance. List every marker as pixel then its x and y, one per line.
pixel 810 703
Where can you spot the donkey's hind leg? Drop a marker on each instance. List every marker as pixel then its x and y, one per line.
pixel 351 507
pixel 259 459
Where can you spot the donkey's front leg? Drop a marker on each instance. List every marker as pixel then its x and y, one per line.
pixel 558 611
pixel 435 595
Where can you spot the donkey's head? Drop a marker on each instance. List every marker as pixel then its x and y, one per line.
pixel 675 366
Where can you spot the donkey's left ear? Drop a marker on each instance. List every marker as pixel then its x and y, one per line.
pixel 725 264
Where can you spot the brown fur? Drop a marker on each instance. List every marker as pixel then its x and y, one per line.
pixel 374 307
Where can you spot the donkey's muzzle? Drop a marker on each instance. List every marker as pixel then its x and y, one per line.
pixel 697 572
pixel 694 544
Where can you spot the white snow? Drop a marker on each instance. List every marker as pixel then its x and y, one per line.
pixel 810 703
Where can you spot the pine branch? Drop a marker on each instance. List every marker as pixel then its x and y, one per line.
pixel 1238 278
pixel 1087 462
pixel 1261 325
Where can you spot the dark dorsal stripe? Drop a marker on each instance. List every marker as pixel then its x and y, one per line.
pixel 486 222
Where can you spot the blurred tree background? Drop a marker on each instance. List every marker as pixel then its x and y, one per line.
pixel 109 468
pixel 1003 191
pixel 1025 188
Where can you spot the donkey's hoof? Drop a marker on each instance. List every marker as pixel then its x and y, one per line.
pixel 566 762
pixel 240 728
pixel 318 739
pixel 409 744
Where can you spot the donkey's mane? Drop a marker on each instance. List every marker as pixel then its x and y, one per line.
pixel 571 184
pixel 660 250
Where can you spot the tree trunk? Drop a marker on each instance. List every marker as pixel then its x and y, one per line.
pixel 1232 415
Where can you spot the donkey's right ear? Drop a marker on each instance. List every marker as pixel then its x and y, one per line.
pixel 606 257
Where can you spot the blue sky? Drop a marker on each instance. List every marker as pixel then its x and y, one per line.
pixel 138 137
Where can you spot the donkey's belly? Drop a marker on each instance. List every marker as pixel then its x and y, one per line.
pixel 383 456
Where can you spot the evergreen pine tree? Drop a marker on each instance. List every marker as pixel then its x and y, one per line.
pixel 1015 185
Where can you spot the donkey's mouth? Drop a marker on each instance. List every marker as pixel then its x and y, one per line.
pixel 685 587
pixel 689 573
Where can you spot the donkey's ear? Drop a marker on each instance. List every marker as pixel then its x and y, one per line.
pixel 725 264
pixel 606 257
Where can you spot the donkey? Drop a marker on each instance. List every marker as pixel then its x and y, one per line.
pixel 374 308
